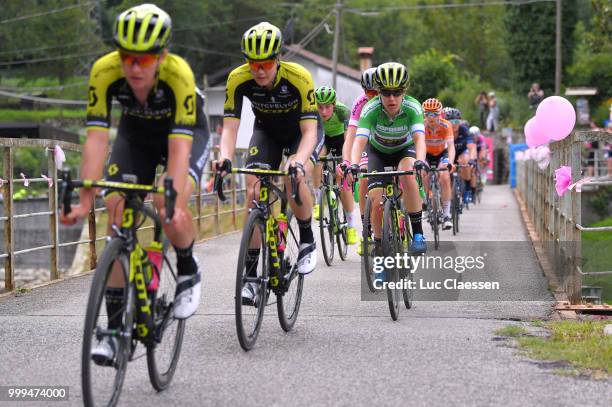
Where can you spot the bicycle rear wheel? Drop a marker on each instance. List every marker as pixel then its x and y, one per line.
pixel 367 257
pixel 252 269
pixel 341 226
pixel 326 226
pixel 102 384
pixel 391 246
pixel 288 304
pixel 163 355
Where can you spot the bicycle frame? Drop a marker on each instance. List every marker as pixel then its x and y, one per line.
pixel 273 233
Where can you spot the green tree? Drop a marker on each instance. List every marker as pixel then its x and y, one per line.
pixel 431 72
pixel 530 33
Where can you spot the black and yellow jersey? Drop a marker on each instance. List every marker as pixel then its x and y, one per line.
pixel 171 105
pixel 279 109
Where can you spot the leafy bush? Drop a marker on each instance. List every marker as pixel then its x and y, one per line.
pixel 430 73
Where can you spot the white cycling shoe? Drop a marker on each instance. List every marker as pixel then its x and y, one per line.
pixel 103 352
pixel 307 259
pixel 187 297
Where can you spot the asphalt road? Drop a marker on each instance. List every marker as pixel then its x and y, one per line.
pixel 343 351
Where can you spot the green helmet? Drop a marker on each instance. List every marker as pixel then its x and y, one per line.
pixel 262 41
pixel 145 28
pixel 325 95
pixel 391 75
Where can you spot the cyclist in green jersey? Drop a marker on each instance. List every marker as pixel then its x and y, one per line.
pixel 335 117
pixel 392 127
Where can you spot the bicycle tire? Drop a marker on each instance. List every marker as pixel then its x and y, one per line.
pixel 111 253
pixel 288 310
pixel 341 230
pixel 390 237
pixel 435 210
pixel 326 224
pixel 407 293
pixel 366 253
pixel 159 376
pixel 246 338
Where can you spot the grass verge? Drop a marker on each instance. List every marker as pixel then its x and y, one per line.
pixel 582 344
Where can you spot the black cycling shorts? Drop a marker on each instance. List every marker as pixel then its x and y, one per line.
pixel 377 161
pixel 266 149
pixel 434 160
pixel 137 151
pixel 334 145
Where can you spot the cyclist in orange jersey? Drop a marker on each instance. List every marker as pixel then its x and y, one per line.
pixel 439 140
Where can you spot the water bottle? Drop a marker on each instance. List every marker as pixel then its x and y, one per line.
pixel 332 199
pixel 156 257
pixel 281 221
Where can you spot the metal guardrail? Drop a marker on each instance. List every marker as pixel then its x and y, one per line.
pixel 8 146
pixel 557 220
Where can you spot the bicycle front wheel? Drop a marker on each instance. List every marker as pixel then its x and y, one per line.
pixel 391 245
pixel 341 230
pixel 163 355
pixel 367 255
pixel 288 304
pixel 102 380
pixel 251 275
pixel 435 211
pixel 326 226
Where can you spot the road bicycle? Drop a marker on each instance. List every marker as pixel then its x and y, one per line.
pixel 147 314
pixel 435 213
pixel 332 218
pixel 396 239
pixel 267 258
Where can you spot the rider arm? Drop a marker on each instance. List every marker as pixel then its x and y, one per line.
pixel 349 140
pixel 179 149
pixel 419 143
pixel 308 142
pixel 95 151
pixel 450 144
pixel 228 137
pixel 232 109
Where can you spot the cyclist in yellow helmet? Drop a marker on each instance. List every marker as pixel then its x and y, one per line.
pixel 162 122
pixel 392 127
pixel 286 119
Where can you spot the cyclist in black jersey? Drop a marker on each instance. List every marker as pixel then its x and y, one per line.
pixel 465 149
pixel 286 120
pixel 162 123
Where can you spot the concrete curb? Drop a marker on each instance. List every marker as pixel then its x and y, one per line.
pixel 554 284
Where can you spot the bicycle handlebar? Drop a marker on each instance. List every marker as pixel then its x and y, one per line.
pixel 67 186
pixel 259 173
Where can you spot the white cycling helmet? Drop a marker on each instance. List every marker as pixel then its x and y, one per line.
pixel 474 131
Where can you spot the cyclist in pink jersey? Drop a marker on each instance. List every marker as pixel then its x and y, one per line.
pixel 369 91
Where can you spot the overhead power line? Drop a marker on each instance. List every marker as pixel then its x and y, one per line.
pixel 55 58
pixel 207 51
pixel 44 13
pixel 374 11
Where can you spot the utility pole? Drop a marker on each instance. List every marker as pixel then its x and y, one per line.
pixel 558 51
pixel 336 43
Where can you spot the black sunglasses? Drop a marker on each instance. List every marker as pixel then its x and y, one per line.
pixel 388 92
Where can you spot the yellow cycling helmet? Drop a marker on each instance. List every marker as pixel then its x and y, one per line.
pixel 145 28
pixel 262 41
pixel 391 75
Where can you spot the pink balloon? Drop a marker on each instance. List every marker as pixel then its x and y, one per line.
pixel 557 116
pixel 533 133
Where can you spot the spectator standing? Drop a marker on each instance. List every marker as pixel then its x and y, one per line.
pixel 535 95
pixel 493 115
pixel 482 101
